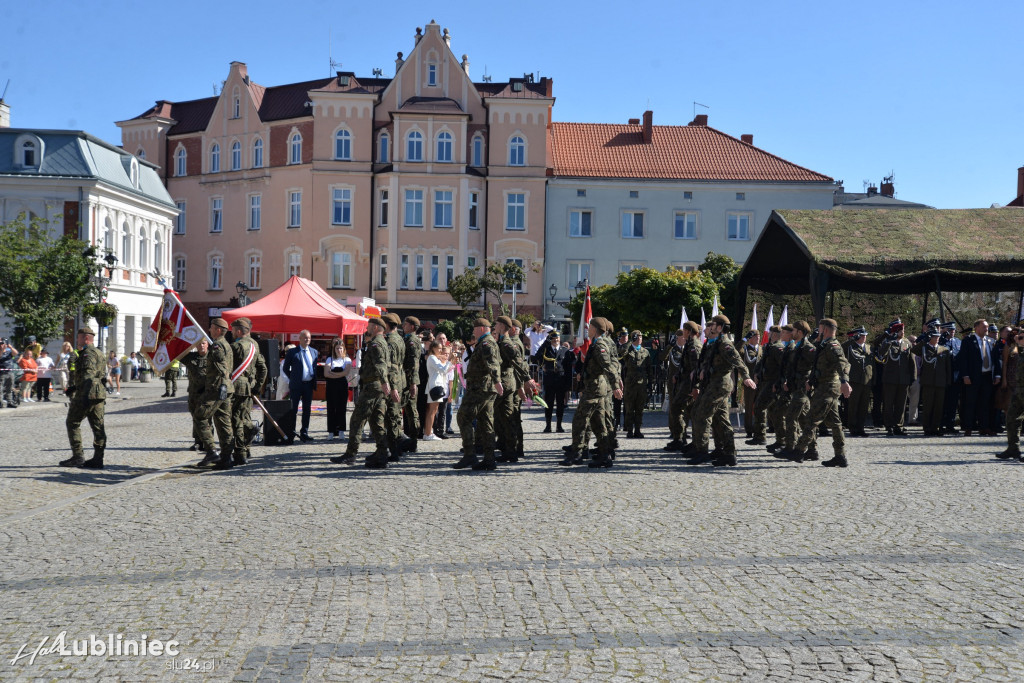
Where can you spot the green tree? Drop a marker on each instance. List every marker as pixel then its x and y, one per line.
pixel 44 279
pixel 724 271
pixel 467 288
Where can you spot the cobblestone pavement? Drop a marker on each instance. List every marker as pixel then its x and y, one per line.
pixel 905 566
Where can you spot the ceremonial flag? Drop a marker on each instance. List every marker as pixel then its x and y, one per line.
pixel 582 338
pixel 172 333
pixel 753 323
pixel 703 324
pixel 768 324
pixel 784 318
pixel 683 319
pixel 714 307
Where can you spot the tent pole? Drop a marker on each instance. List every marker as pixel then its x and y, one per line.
pixel 924 309
pixel 943 305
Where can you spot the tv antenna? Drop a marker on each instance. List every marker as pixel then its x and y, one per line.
pixel 378 73
pixel 486 77
pixel 4 93
pixel 698 104
pixel 333 65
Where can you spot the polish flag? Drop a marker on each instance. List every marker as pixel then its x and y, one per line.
pixel 784 318
pixel 683 319
pixel 172 333
pixel 582 338
pixel 753 323
pixel 714 307
pixel 768 324
pixel 703 324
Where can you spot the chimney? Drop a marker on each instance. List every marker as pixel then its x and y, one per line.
pixel 1020 171
pixel 634 122
pixel 5 116
pixel 399 62
pixel 887 189
pixel 465 64
pixel 747 138
pixel 648 126
pixel 872 190
pixel 699 120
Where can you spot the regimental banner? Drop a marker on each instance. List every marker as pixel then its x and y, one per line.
pixel 172 333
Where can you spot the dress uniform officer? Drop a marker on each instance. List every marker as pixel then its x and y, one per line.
pixel 216 400
pixel 829 378
pixel 483 384
pixel 88 399
pixel 375 392
pixel 936 375
pixel 249 374
pixel 195 363
pixel 396 359
pixel 862 368
pixel 411 376
pixel 556 371
pixel 682 368
pixel 769 387
pixel 898 372
pixel 636 370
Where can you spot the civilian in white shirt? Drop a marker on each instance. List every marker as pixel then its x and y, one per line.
pixel 538 334
pixel 44 375
pixel 438 366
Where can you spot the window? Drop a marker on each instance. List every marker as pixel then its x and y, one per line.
pixel 474 209
pixel 630 266
pixel 158 250
pixel 444 146
pixel 403 281
pixel 685 226
pixel 216 214
pixel 180 157
pixel 741 196
pixel 471 261
pixel 143 250
pixel 738 226
pixel 517 151
pixel 431 74
pixel 257 154
pixel 578 272
pixel 581 193
pixel 180 222
pixel 295 209
pixel 236 108
pixel 382 271
pixel 108 236
pixel 215 158
pixel 414 146
pixel 634 194
pixel 478 150
pixel 141 154
pixel 255 211
pixel 435 271
pixel 236 155
pixel 442 208
pixel 414 208
pixel 216 269
pixel 254 270
pixel 449 269
pixel 295 155
pixel 419 271
pixel 516 211
pixel 342 206
pixel 29 153
pixel 687 195
pixel 384 205
pixel 133 172
pixel 685 267
pixel 579 223
pixel 519 285
pixel 632 224
pixel 294 264
pixel 126 246
pixel 341 269
pixel 343 145
pixel 385 143
pixel 179 273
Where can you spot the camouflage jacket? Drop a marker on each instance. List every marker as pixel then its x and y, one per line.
pixel 375 366
pixel 411 362
pixel 636 366
pixel 219 365
pixel 90 369
pixel 483 370
pixel 830 368
pixel 252 378
pixel 396 359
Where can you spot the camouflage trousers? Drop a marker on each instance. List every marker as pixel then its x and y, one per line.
pixel 193 407
pixel 795 408
pixel 171 381
pixel 393 415
pixel 477 405
pixel 763 405
pixel 609 417
pixel 1014 418
pixel 592 416
pixel 823 407
pixel 241 423
pixel 92 411
pixel 219 413
pixel 369 408
pixel 504 422
pixel 711 413
pixel 410 414
pixel 634 401
pixel 680 408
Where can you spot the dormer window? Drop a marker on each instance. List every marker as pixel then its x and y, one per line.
pixel 29 154
pixel 141 153
pixel 134 172
pixel 28 151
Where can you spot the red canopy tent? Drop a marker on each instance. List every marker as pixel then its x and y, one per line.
pixel 300 304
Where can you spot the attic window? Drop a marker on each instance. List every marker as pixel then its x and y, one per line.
pixel 431 74
pixel 741 196
pixel 687 195
pixel 581 193
pixel 134 172
pixel 29 153
pixel 343 81
pixel 633 194
pixel 517 86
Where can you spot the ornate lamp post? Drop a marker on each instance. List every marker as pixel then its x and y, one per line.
pixel 242 289
pixel 103 312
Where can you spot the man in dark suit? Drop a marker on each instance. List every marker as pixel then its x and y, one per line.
pixel 300 368
pixel 980 370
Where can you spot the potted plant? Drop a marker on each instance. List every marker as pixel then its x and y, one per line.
pixel 104 313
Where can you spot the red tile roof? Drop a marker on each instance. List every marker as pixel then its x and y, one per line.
pixel 694 152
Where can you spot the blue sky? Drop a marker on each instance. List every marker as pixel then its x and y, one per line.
pixel 928 90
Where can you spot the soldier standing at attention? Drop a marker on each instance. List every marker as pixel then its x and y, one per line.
pixel 636 370
pixel 862 368
pixel 88 397
pixel 1015 411
pixel 621 346
pixel 195 363
pixel 830 377
pixel 799 378
pixel 523 343
pixel 411 376
pixel 898 372
pixel 374 393
pixel 170 380
pixel 751 353
pixel 483 384
pixel 768 383
pixel 683 359
pixel 216 400
pixel 936 376
pixel 600 379
pixel 248 376
pixel 396 379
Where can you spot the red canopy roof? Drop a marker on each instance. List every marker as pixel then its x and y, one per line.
pixel 299 304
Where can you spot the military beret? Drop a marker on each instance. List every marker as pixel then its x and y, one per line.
pixel 691 326
pixel 803 326
pixel 857 331
pixel 720 320
pixel 412 320
pixel 481 322
pixel 85 329
pixel 377 322
pixel 504 320
pixel 244 323
pixel 829 322
pixel 636 333
pixel 219 322
pixel 786 328
pixel 749 335
pixel 392 318
pixel 678 333
pixel 775 328
pixel 895 323
pixel 516 324
pixel 604 325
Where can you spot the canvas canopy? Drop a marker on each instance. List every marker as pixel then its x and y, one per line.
pixel 300 304
pixel 886 252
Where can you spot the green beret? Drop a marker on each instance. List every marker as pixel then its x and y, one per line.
pixel 219 322
pixel 693 327
pixel 378 322
pixel 481 322
pixel 517 324
pixel 504 320
pixel 85 329
pixel 412 320
pixel 392 318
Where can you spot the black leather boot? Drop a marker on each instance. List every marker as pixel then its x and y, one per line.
pixel 466 461
pixel 210 460
pixel 837 461
pixel 378 460
pixel 571 458
pixel 226 462
pixel 487 464
pixel 674 445
pixel 96 461
pixel 76 460
pixel 725 460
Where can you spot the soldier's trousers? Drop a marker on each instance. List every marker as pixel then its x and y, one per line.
pixel 517 423
pixel 823 407
pixel 798 406
pixel 220 413
pixel 370 408
pixel 680 405
pixel 393 416
pixel 410 414
pixel 933 402
pixel 591 413
pixel 712 413
pixel 1014 418
pixel 477 405
pixel 857 407
pixel 633 403
pixel 749 400
pixel 92 411
pixel 504 421
pixel 241 424
pixel 765 403
pixel 616 412
pixel 895 404
pixel 171 381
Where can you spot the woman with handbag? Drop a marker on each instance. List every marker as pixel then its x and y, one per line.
pixel 438 366
pixel 338 372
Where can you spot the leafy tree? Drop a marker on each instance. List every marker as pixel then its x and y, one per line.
pixel 467 288
pixel 44 279
pixel 724 271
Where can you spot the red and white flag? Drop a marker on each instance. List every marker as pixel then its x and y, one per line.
pixel 784 318
pixel 582 338
pixel 703 324
pixel 172 333
pixel 683 319
pixel 753 323
pixel 714 307
pixel 768 324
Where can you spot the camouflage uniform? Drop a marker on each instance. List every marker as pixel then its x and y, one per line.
pixel 753 362
pixel 1015 412
pixel 88 401
pixel 769 390
pixel 396 378
pixel 683 368
pixel 862 370
pixel 219 364
pixel 636 367
pixel 171 380
pixel 828 372
pixel 777 408
pixel 413 350
pixel 196 368
pixel 799 402
pixel 374 373
pixel 600 377
pixel 247 384
pixel 514 374
pixel 483 371
pixel 716 386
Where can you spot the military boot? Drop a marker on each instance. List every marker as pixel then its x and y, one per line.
pixel 699 456
pixel 226 462
pixel 637 434
pixel 76 460
pixel 838 461
pixel 466 461
pixel 547 427
pixel 571 458
pixel 210 460
pixel 674 445
pixel 1009 454
pixel 601 459
pixel 346 459
pixel 408 444
pixel 725 460
pixel 771 448
pixel 487 464
pixel 378 460
pixel 811 455
pixel 96 461
pixel 756 441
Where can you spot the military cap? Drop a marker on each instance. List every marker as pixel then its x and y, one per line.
pixel 623 332
pixel 934 322
pixel 829 322
pixel 750 335
pixel 412 320
pixel 244 323
pixel 378 322
pixel 992 328
pixel 636 333
pixel 720 320
pixel 31 339
pixel 481 322
pixel 516 324
pixel 504 320
pixel 691 326
pixel 553 334
pixel 952 325
pixel 856 332
pixel 897 323
pixel 803 326
pixel 678 333
pixel 392 318
pixel 775 328
pixel 85 329
pixel 604 325
pixel 786 328
pixel 219 322
pixel 933 332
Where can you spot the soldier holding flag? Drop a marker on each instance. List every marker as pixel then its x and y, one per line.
pixel 248 376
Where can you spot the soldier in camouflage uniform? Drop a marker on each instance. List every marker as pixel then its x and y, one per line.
pixel 683 359
pixel 195 362
pixel 1015 411
pixel 795 383
pixel 636 370
pixel 170 381
pixel 862 368
pixel 829 378
pixel 752 354
pixel 515 378
pixel 396 379
pixel 777 409
pixel 600 380
pixel 769 380
pixel 88 399
pixel 411 377
pixel 249 374
pixel 522 390
pixel 375 393
pixel 483 384
pixel 715 387
pixel 215 403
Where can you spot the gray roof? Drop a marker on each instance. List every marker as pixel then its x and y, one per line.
pixel 879 201
pixel 76 154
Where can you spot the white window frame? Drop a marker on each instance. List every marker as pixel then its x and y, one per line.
pixel 414 146
pixel 216 214
pixel 517 150
pixel 686 217
pixel 216 272
pixel 413 205
pixel 236 156
pixel 215 158
pixel 181 220
pixel 432 75
pixel 444 203
pixel 141 154
pixel 445 143
pixel 478 150
pixel 474 210
pixel 384 148
pixel 435 272
pixel 180 162
pixel 254 270
pixel 685 266
pixel 257 153
pixel 295 148
pixel 383 207
pixel 343 137
pixel 26 148
pixel 341 270
pixel 293 261
pixel 632 226
pixel 515 210
pixel 521 287
pixel 158 250
pixel 341 203
pixel 630 266
pixel 294 208
pixel 748 219
pixel 578 214
pixel 576 268
pixel 418 277
pixel 382 270
pixel 143 250
pixel 403 272
pixel 449 269
pixel 255 211
pixel 180 270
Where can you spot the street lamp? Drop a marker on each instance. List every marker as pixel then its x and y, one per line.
pixel 242 288
pixel 580 286
pixel 102 282
pixel 553 290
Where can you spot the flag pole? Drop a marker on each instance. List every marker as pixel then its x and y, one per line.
pixel 270 418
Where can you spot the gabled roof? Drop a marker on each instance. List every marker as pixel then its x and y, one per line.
pixel 694 152
pixel 430 105
pixel 880 201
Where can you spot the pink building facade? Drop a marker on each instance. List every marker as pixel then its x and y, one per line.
pixel 375 187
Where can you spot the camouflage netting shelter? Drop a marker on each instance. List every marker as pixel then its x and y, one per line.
pixel 886 252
